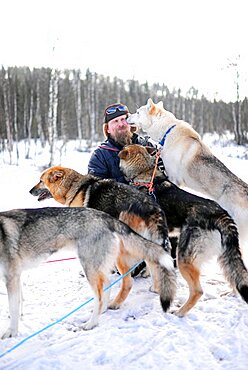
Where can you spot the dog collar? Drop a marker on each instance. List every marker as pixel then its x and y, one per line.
pixel 165 135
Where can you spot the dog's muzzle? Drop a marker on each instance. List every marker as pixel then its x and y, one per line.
pixel 42 194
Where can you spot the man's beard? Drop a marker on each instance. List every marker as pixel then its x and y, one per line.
pixel 123 137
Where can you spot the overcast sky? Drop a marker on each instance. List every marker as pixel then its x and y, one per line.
pixel 181 43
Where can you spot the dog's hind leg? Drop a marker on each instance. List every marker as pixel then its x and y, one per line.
pixel 123 265
pixel 97 283
pixel 191 274
pixel 190 254
pixel 13 285
pixel 106 297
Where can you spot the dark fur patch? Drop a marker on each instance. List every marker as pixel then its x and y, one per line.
pixel 244 292
pixel 165 304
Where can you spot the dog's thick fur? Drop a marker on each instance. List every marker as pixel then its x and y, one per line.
pixel 188 161
pixel 121 201
pixel 198 219
pixel 28 236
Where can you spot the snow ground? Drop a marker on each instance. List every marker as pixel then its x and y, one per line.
pixel 137 336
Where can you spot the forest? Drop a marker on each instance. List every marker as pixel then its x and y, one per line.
pixel 50 105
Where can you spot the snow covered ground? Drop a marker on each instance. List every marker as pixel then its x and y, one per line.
pixel 138 336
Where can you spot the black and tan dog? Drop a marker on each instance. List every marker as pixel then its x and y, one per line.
pixel 206 229
pixel 121 201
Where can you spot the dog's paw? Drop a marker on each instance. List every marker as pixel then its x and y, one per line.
pixel 89 325
pixel 113 306
pixel 153 290
pixel 9 333
pixel 177 313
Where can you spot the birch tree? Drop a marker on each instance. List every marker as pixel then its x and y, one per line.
pixel 78 103
pixel 6 103
pixel 52 113
pixel 236 107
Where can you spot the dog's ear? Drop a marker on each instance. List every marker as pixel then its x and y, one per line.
pixel 55 175
pixel 151 107
pixel 123 154
pixel 160 104
pixel 149 103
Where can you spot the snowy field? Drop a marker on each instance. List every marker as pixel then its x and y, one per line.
pixel 137 336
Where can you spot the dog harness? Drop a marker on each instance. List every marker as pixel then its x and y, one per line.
pixel 149 185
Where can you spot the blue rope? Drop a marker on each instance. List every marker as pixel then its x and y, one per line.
pixel 164 137
pixel 70 313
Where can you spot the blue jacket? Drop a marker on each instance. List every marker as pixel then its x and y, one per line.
pixel 104 161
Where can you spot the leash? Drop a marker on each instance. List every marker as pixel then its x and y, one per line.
pixel 67 315
pixel 165 135
pixel 62 259
pixel 149 185
pixel 151 188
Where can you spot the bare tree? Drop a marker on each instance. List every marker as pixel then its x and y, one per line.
pixel 38 115
pixel 236 107
pixel 78 102
pixel 6 102
pixel 52 113
pixel 29 126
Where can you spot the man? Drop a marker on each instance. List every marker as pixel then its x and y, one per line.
pixel 104 161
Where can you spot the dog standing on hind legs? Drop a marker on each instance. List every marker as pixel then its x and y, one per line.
pixel 28 236
pixel 188 161
pixel 206 229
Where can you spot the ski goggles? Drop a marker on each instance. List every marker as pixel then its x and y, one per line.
pixel 120 108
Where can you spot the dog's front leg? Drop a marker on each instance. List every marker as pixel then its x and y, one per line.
pixel 93 321
pixel 97 281
pixel 21 300
pixel 14 294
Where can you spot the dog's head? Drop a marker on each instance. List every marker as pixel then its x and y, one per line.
pixel 136 159
pixel 148 117
pixel 54 183
pixel 144 115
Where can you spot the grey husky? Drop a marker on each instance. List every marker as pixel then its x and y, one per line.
pixel 28 236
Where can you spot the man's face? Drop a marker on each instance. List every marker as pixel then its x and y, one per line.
pixel 118 125
pixel 119 130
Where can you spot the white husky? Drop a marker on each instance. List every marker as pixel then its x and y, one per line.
pixel 188 161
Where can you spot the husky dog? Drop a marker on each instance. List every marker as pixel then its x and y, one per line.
pixel 198 219
pixel 72 189
pixel 28 236
pixel 188 161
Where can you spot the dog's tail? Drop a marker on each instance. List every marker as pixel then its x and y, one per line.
pixel 159 261
pixel 230 257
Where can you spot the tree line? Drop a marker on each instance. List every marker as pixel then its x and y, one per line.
pixel 49 104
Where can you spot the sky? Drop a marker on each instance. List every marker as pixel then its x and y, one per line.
pixel 179 43
pixel 213 336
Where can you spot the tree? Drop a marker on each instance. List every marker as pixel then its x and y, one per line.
pixel 236 107
pixel 8 123
pixel 52 113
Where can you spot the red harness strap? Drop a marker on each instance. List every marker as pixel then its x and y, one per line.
pixel 107 148
pixel 149 185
